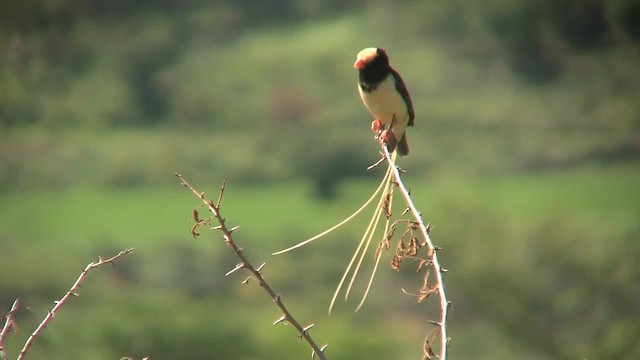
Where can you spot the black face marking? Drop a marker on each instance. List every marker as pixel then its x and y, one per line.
pixel 374 72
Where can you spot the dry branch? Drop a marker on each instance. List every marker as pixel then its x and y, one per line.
pixel 245 264
pixel 72 292
pixel 9 323
pixel 433 257
pixel 415 229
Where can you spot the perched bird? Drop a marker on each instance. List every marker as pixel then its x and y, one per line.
pixel 386 97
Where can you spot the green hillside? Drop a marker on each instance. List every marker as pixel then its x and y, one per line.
pixel 525 158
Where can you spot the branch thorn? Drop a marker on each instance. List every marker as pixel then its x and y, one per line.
pixel 279 320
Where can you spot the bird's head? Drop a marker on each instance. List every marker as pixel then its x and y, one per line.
pixel 370 55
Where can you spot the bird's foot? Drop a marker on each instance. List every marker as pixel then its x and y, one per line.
pixel 377 126
pixel 388 138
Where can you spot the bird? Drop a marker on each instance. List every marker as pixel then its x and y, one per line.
pixel 385 95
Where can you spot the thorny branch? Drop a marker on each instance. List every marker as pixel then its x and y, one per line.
pixel 72 292
pixel 435 264
pixel 9 323
pixel 245 264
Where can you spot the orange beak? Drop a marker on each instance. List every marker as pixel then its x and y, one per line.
pixel 359 64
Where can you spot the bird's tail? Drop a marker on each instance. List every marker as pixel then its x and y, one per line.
pixel 403 146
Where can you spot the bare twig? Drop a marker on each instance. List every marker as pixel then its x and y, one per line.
pixel 9 323
pixel 72 292
pixel 433 257
pixel 256 272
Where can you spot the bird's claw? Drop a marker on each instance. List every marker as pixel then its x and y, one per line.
pixel 388 138
pixel 377 126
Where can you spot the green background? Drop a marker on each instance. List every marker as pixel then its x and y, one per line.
pixel 525 158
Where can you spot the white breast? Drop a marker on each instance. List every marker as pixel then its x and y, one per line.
pixel 385 102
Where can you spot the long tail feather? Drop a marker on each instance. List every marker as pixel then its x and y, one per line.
pixel 305 242
pixel 377 259
pixel 368 235
pixel 373 275
pixel 364 244
pixel 358 249
pixel 346 273
pixel 371 229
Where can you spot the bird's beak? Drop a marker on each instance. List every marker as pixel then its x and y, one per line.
pixel 358 64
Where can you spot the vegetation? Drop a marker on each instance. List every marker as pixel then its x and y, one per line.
pixel 524 157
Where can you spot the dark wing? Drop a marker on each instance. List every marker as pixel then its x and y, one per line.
pixel 402 89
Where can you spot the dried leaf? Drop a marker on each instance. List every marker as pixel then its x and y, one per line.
pixel 395 263
pixel 414 247
pixel 421 264
pixel 400 248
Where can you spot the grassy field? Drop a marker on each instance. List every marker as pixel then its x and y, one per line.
pixel 589 211
pixel 135 216
pixel 524 158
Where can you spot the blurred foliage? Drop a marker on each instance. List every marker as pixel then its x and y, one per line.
pixel 544 265
pixel 524 155
pixel 498 86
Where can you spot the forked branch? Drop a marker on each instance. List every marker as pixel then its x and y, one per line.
pixel 72 292
pixel 245 264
